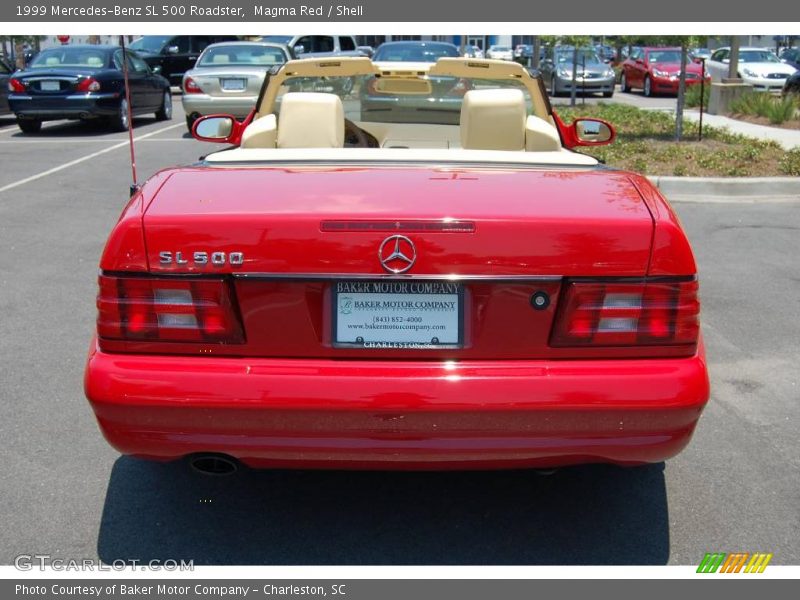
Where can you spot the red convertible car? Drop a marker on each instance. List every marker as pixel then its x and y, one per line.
pixel 657 71
pixel 455 293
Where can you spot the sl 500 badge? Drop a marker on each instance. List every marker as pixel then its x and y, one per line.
pixel 218 259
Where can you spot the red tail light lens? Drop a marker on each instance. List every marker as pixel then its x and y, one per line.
pixel 90 84
pixel 167 310
pixel 15 85
pixel 627 314
pixel 190 87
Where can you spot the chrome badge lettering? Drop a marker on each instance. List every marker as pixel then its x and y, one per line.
pixel 218 259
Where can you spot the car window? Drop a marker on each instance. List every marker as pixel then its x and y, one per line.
pixel 413 52
pixel 69 57
pixel 241 55
pixel 136 64
pixel 117 60
pixel 752 56
pixel 659 56
pixel 150 43
pixel 200 42
pixel 719 55
pixel 346 43
pixel 316 43
pixel 182 42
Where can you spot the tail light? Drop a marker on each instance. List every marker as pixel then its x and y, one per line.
pixel 15 85
pixel 628 314
pixel 167 310
pixel 190 87
pixel 90 84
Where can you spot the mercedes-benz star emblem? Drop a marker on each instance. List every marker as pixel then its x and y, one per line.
pixel 397 254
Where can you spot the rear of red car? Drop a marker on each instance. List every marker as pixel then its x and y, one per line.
pixel 398 317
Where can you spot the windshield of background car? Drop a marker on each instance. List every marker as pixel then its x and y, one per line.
pixel 69 57
pixel 149 43
pixel 664 56
pixel 584 57
pixel 276 39
pixel 362 101
pixel 754 56
pixel 240 55
pixel 428 53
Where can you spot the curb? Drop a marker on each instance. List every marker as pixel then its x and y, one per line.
pixel 728 189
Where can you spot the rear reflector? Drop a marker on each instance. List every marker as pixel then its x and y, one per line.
pixel 167 310
pixel 190 87
pixel 627 314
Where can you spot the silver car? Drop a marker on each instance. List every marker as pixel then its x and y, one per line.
pixel 227 78
pixel 592 74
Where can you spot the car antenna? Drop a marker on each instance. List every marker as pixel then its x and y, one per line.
pixel 134 186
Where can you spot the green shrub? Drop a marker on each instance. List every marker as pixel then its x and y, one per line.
pixel 776 109
pixel 781 109
pixel 692 96
pixel 790 163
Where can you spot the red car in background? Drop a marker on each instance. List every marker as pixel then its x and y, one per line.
pixel 334 292
pixel 657 71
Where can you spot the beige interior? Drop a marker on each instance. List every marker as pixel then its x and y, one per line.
pixel 493 120
pixel 541 136
pixel 311 120
pixel 261 133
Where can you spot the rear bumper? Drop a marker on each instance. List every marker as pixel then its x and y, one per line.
pixel 73 106
pixel 205 104
pixel 398 414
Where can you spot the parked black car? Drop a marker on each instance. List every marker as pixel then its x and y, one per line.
pixel 5 74
pixel 791 56
pixel 792 85
pixel 86 82
pixel 175 54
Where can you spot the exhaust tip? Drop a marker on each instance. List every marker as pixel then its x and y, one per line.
pixel 214 464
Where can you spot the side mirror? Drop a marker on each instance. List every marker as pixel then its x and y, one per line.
pixel 592 132
pixel 584 132
pixel 299 49
pixel 156 70
pixel 217 129
pixel 726 61
pixel 172 49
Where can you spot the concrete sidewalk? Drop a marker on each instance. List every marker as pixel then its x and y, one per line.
pixel 787 138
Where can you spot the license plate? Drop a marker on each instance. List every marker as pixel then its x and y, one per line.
pixel 49 85
pixel 425 315
pixel 233 85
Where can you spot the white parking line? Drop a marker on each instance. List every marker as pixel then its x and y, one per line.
pixel 85 158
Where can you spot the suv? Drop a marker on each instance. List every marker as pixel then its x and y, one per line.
pixel 173 55
pixel 303 46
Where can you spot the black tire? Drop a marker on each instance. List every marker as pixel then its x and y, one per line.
pixel 119 122
pixel 164 113
pixel 608 94
pixel 648 87
pixel 190 122
pixel 29 125
pixel 623 83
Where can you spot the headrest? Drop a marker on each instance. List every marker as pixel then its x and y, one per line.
pixel 493 120
pixel 310 120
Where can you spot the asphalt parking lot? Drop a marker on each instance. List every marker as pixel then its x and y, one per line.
pixel 67 494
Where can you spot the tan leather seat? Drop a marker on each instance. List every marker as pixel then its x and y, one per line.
pixel 310 120
pixel 497 120
pixel 493 120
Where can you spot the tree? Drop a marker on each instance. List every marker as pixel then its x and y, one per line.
pixel 684 42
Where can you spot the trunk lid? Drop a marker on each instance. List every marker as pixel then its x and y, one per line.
pixel 332 220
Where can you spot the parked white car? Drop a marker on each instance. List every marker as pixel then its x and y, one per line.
pixel 757 66
pixel 500 53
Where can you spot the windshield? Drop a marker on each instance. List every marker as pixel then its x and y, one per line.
pixel 364 98
pixel 585 56
pixel 276 39
pixel 241 55
pixel 664 56
pixel 751 56
pixel 150 43
pixel 69 57
pixel 413 52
